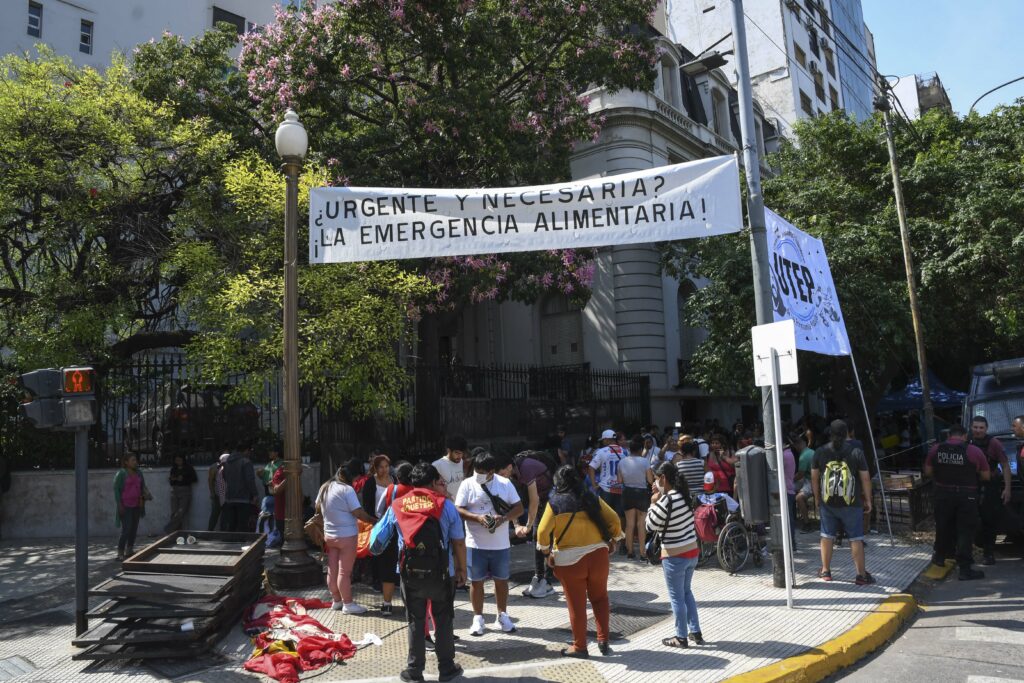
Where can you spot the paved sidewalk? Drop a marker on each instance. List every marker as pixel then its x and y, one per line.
pixel 743 618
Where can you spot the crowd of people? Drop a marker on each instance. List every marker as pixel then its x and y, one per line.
pixel 433 528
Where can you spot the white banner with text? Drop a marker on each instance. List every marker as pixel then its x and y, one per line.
pixel 803 290
pixel 696 199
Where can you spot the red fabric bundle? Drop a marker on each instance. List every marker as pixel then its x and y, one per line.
pixel 275 658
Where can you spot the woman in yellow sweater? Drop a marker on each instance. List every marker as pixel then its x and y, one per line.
pixel 577 532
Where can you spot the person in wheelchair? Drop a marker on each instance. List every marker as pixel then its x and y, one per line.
pixel 721 500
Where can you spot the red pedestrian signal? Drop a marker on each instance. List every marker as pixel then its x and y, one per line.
pixel 78 381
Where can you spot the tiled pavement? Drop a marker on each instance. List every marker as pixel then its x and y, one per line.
pixel 743 618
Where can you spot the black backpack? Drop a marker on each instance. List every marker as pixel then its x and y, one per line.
pixel 425 562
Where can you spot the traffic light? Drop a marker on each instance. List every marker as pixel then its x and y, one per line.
pixel 79 403
pixel 59 398
pixel 43 388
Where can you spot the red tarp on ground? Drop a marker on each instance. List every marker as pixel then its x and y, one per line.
pixel 288 641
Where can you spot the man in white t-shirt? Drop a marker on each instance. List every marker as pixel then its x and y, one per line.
pixel 604 470
pixel 450 466
pixel 487 502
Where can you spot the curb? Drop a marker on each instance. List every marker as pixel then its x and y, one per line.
pixel 867 635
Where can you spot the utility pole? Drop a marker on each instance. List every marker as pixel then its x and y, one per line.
pixel 882 104
pixel 759 261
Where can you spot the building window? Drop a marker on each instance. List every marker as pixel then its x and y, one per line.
pixel 220 15
pixel 830 63
pixel 824 22
pixel 801 56
pixel 819 86
pixel 805 104
pixel 833 98
pixel 85 37
pixel 35 19
pixel 812 34
pixel 561 331
pixel 719 120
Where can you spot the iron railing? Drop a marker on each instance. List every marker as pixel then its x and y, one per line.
pixel 158 407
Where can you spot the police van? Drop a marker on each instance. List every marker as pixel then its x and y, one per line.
pixel 997 393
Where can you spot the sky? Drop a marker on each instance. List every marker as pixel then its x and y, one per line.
pixel 973 45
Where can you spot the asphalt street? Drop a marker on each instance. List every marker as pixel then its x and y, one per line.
pixel 970 631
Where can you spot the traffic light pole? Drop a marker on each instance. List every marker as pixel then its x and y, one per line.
pixel 759 261
pixel 81 529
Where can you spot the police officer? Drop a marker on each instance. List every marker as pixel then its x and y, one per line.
pixel 994 497
pixel 956 467
pixel 1018 431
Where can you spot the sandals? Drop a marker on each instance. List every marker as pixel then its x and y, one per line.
pixel 825 574
pixel 675 641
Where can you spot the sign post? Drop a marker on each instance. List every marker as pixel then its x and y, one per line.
pixel 775 364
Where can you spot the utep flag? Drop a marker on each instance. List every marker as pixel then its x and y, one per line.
pixel 802 288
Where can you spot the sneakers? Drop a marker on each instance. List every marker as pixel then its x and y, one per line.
pixel 338 605
pixel 538 589
pixel 697 637
pixel 825 574
pixel 409 675
pixel 504 622
pixel 864 579
pixel 428 643
pixel 604 647
pixel 989 559
pixel 478 627
pixel 969 574
pixel 352 608
pixel 385 609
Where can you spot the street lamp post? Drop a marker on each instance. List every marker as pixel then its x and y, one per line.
pixel 295 568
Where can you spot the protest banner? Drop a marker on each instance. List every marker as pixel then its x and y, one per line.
pixel 695 199
pixel 803 290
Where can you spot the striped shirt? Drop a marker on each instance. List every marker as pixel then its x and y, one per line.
pixel 678 533
pixel 693 470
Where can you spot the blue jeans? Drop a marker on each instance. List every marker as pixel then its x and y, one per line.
pixel 488 564
pixel 678 578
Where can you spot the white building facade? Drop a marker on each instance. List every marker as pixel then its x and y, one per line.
pixel 807 57
pixel 633 320
pixel 90 31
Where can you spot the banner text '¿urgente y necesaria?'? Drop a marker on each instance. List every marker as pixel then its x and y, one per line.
pixel 695 199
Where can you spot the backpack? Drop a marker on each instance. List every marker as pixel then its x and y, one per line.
pixel 838 485
pixel 426 560
pixel 706 523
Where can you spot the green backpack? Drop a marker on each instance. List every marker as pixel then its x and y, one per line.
pixel 838 485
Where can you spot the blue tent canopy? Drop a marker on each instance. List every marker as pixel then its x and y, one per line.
pixel 910 397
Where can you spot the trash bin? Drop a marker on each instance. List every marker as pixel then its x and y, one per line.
pixel 752 479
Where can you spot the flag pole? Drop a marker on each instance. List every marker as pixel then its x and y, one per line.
pixel 871 436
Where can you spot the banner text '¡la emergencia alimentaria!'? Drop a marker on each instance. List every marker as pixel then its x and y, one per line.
pixel 695 199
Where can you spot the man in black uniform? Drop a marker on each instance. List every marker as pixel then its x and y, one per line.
pixel 1018 431
pixel 994 497
pixel 956 467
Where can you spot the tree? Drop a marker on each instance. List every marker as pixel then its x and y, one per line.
pixel 965 203
pixel 474 93
pixel 91 175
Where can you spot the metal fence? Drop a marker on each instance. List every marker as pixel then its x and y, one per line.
pixel 158 407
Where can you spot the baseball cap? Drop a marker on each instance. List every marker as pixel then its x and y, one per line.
pixel 608 434
pixel 709 481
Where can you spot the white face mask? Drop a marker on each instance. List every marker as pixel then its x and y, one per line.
pixel 657 485
pixel 481 478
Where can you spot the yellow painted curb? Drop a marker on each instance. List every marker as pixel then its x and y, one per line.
pixel 870 633
pixel 938 573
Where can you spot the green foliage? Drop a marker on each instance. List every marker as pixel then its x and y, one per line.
pixel 90 176
pixel 962 179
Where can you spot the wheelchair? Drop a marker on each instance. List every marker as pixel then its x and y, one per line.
pixel 736 542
